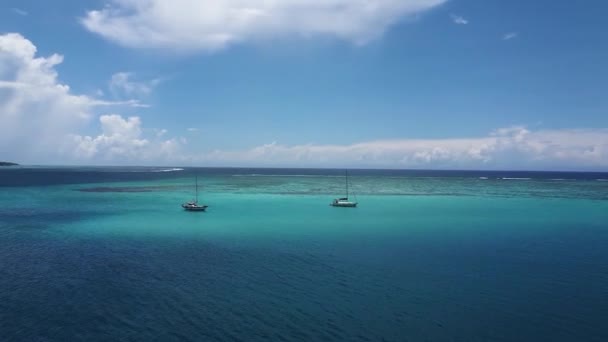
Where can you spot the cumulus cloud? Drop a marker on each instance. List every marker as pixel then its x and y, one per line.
pixel 123 84
pixel 215 24
pixel 32 101
pixel 122 141
pixel 119 138
pixel 459 20
pixel 37 111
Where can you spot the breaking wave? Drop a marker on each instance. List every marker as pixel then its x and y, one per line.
pixel 174 169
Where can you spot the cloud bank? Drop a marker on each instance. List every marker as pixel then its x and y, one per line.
pixel 215 24
pixel 507 148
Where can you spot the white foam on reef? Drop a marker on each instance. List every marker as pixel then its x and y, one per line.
pixel 602 180
pixel 262 175
pixel 483 177
pixel 516 178
pixel 144 170
pixel 174 169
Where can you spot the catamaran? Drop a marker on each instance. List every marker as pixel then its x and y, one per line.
pixel 344 202
pixel 193 205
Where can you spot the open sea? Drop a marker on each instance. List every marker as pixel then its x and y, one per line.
pixel 108 254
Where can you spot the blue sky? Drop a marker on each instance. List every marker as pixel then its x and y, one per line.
pixel 407 84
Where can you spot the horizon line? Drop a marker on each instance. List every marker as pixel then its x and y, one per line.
pixel 307 168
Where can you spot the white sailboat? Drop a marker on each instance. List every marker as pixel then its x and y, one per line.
pixel 193 205
pixel 344 201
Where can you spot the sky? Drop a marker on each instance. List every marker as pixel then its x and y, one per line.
pixel 411 84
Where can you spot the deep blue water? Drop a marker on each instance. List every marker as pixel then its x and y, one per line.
pixel 106 254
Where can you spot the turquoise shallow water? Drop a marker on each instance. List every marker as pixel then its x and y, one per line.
pixel 105 254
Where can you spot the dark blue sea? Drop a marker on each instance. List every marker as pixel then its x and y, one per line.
pixel 108 254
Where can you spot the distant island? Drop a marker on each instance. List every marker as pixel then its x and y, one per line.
pixel 8 164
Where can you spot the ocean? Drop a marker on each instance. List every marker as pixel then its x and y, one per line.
pixel 108 254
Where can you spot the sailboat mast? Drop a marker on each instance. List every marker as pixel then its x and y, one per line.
pixel 196 186
pixel 346 173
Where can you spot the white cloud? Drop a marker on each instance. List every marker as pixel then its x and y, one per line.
pixel 122 141
pixel 32 102
pixel 130 103
pixel 459 20
pixel 215 24
pixel 20 11
pixel 507 148
pixel 160 132
pixel 510 35
pixel 122 84
pixel 119 138
pixel 36 110
pixel 192 129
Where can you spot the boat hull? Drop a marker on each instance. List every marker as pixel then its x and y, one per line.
pixel 194 207
pixel 344 204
